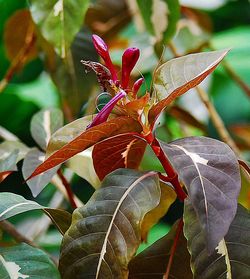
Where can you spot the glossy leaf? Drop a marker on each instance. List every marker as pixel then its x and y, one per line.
pixel 178 75
pixel 231 258
pixel 44 124
pixel 105 233
pixel 59 21
pixel 8 147
pixel 18 27
pixel 12 204
pixel 210 171
pixel 85 140
pixel 24 261
pixel 168 196
pixel 121 151
pixel 32 160
pixel 152 263
pixel 160 17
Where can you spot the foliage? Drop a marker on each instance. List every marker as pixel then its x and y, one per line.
pixel 109 166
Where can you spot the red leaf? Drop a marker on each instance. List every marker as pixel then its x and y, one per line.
pixel 4 175
pixel 177 76
pixel 121 151
pixel 88 138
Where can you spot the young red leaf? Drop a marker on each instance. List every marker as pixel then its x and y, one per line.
pixel 88 138
pixel 178 75
pixel 121 151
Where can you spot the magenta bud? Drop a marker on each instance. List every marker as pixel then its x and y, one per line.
pixel 129 59
pixel 103 51
pixel 137 85
pixel 104 113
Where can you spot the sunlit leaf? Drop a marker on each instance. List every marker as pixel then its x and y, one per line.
pixel 244 196
pixel 152 263
pixel 178 75
pixel 210 171
pixel 17 28
pixel 44 124
pixel 8 147
pixel 160 17
pixel 105 233
pixel 85 140
pixel 121 151
pixel 24 261
pixel 82 165
pixel 59 21
pixel 168 196
pixel 12 204
pixel 31 161
pixel 231 258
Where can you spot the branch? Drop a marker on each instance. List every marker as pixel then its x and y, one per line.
pixel 67 188
pixel 11 230
pixel 217 121
pixel 173 249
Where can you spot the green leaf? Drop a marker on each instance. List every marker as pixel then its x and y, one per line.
pixel 24 261
pixel 59 21
pixel 230 259
pixel 177 76
pixel 106 232
pixel 210 171
pixel 32 160
pixel 44 124
pixel 83 141
pixel 160 17
pixel 12 204
pixel 152 262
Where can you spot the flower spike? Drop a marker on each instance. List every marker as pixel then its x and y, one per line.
pixel 137 85
pixel 129 59
pixel 104 113
pixel 103 51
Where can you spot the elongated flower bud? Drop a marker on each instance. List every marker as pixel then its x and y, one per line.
pixel 137 85
pixel 103 51
pixel 129 59
pixel 104 113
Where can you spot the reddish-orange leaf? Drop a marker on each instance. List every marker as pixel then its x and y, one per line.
pixel 121 151
pixel 177 76
pixel 135 108
pixel 4 175
pixel 88 138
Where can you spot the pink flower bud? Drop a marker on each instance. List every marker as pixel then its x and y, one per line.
pixel 103 51
pixel 137 85
pixel 129 59
pixel 104 113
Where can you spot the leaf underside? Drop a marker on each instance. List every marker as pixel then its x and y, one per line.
pixel 210 171
pixel 231 259
pixel 105 233
pixel 177 76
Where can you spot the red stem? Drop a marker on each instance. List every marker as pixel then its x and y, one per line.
pixel 172 175
pixel 67 188
pixel 173 248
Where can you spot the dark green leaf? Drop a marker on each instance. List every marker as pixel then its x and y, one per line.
pixel 12 204
pixel 44 124
pixel 106 232
pixel 230 259
pixel 59 21
pixel 210 171
pixel 24 261
pixel 152 263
